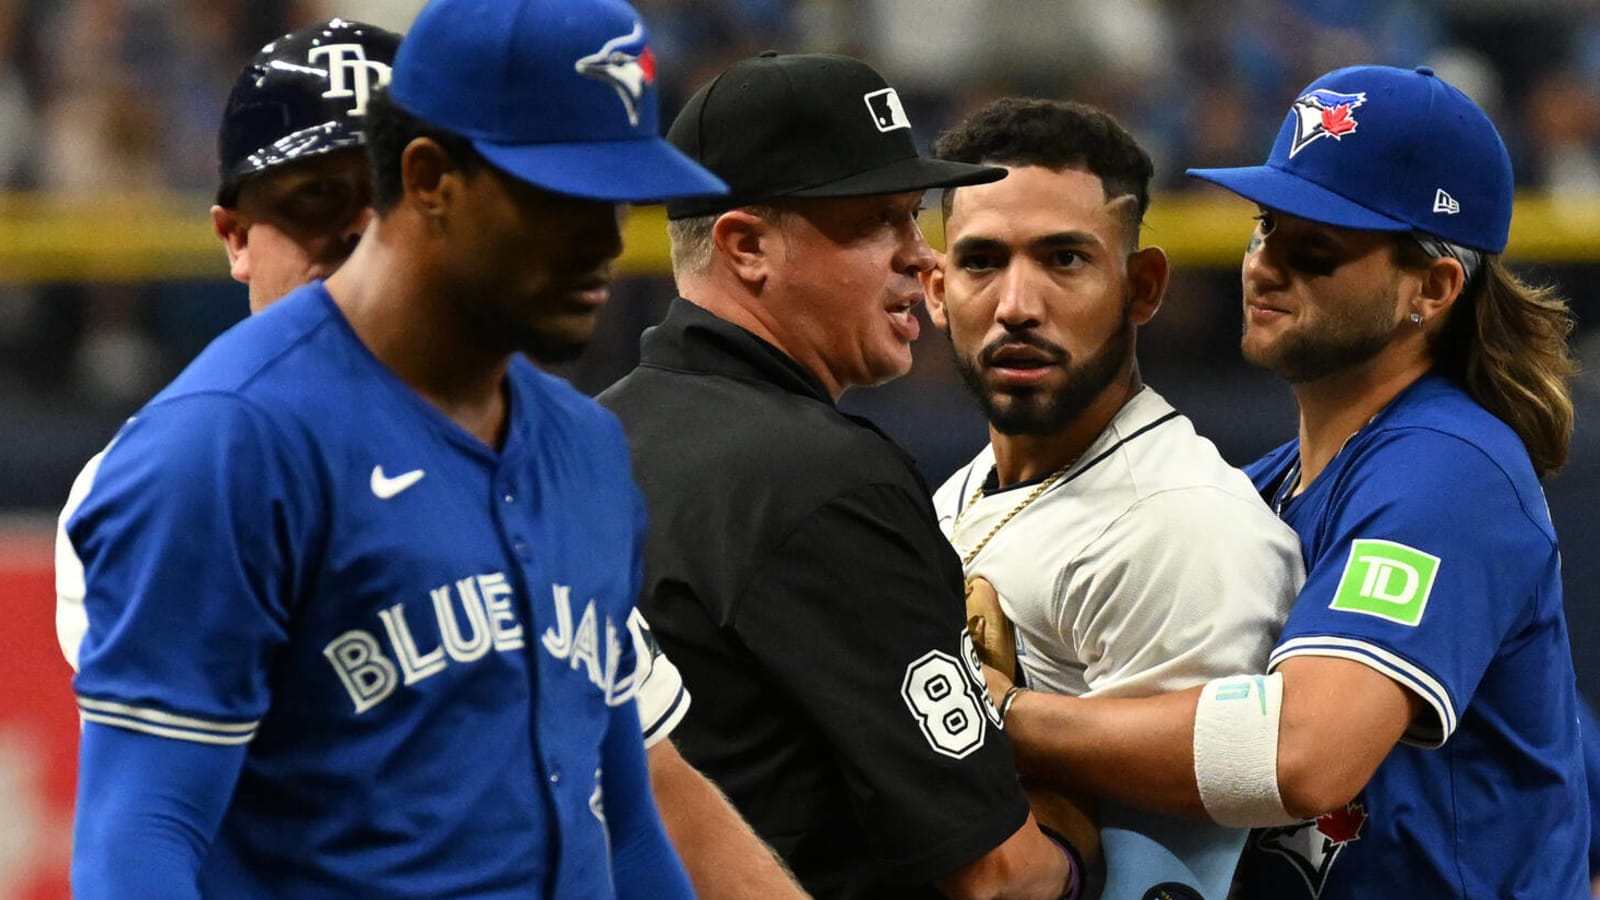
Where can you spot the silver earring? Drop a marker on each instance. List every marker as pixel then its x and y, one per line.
pixel 1416 319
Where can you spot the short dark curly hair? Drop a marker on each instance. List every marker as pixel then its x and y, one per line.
pixel 1056 135
pixel 389 130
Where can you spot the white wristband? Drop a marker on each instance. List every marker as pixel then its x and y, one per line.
pixel 1236 751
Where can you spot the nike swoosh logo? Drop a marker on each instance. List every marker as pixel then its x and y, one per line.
pixel 384 488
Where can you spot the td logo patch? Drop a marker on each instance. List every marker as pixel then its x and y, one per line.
pixel 1387 580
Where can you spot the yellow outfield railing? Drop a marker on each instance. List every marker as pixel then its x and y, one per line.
pixel 45 238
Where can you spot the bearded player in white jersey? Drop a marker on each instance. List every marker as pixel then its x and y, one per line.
pixel 1131 558
pixel 295 196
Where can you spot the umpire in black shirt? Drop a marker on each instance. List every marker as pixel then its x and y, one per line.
pixel 795 571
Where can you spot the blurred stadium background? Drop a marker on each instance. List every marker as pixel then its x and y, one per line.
pixel 110 280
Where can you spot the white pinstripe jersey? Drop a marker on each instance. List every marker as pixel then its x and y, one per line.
pixel 1151 566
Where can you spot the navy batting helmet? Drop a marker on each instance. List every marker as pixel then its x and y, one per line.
pixel 303 94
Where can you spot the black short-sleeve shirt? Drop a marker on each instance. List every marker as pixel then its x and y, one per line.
pixel 796 576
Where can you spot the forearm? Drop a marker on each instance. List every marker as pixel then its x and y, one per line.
pixel 645 868
pixel 1139 752
pixel 1026 866
pixel 724 857
pixel 1339 719
pixel 643 863
pixel 146 812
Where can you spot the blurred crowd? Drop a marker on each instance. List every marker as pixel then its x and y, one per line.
pixel 100 97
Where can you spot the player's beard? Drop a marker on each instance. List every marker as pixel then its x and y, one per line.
pixel 1353 334
pixel 549 348
pixel 549 339
pixel 1043 411
pixel 544 345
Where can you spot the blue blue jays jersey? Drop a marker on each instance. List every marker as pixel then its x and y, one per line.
pixel 422 642
pixel 1430 557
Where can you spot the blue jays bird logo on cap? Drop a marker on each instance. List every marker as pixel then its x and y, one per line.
pixel 629 71
pixel 1323 113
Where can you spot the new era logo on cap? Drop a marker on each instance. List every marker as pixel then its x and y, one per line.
pixel 887 111
pixel 1444 203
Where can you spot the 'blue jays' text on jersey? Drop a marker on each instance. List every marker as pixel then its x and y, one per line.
pixel 1431 558
pixel 422 641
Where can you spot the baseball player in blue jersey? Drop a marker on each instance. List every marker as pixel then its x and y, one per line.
pixel 1417 732
pixel 1591 769
pixel 294 197
pixel 370 638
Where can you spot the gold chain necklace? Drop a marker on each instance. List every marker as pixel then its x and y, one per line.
pixel 1033 495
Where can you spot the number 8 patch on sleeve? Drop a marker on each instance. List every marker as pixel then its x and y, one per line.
pixel 949 703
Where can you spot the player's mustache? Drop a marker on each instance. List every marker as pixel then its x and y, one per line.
pixel 584 275
pixel 1055 352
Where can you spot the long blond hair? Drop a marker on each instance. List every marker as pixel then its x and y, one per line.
pixel 1506 343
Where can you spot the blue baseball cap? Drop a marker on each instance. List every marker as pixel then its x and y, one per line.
pixel 1386 149
pixel 558 93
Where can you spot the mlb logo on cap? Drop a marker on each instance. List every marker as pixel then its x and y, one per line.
pixel 887 113
pixel 1386 149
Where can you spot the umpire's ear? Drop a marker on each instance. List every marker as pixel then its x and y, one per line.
pixel 743 241
pixel 234 232
pixel 933 291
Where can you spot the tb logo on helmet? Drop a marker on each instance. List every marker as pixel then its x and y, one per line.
pixel 627 72
pixel 350 73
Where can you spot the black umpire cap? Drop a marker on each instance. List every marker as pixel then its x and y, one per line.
pixel 302 95
pixel 805 125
